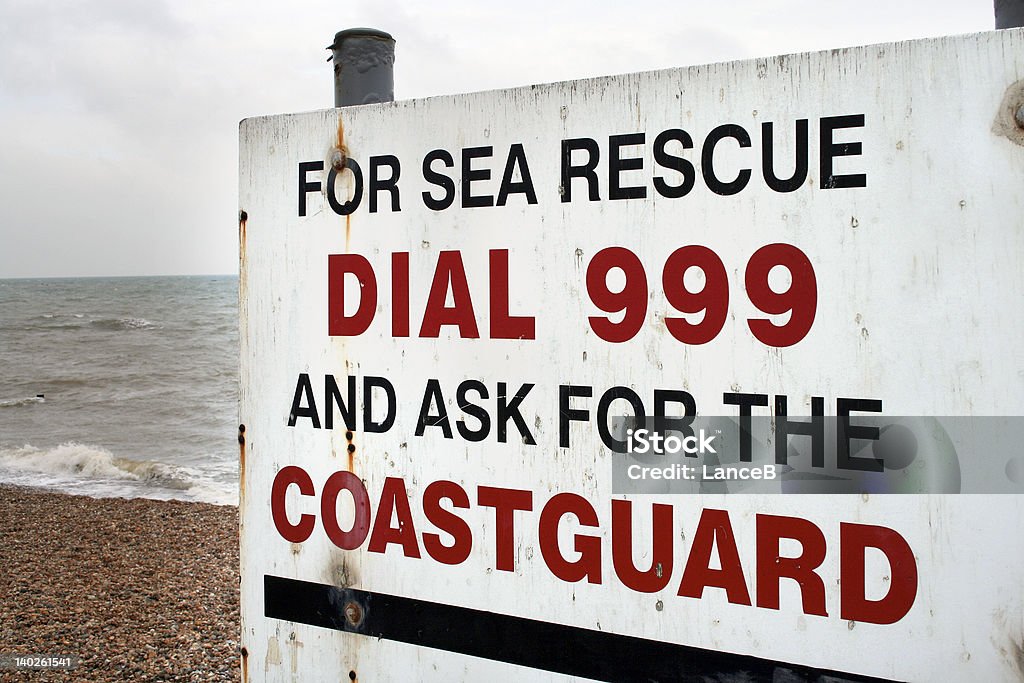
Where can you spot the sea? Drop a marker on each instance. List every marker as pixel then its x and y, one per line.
pixel 121 387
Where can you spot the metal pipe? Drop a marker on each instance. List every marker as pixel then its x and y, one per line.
pixel 364 66
pixel 1009 13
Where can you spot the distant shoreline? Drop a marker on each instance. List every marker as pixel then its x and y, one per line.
pixel 42 278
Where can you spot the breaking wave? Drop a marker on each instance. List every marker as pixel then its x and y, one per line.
pixel 96 471
pixel 90 461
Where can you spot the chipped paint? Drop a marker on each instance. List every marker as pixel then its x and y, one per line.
pixel 294 644
pixel 273 658
pixel 1008 638
pixel 1009 119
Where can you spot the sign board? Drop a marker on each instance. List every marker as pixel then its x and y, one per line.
pixel 447 304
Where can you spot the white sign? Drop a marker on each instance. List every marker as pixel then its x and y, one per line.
pixel 447 302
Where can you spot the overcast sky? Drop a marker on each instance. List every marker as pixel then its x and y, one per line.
pixel 119 118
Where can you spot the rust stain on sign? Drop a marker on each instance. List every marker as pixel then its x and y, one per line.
pixel 351 449
pixel 339 158
pixel 241 463
pixel 353 613
pixel 243 218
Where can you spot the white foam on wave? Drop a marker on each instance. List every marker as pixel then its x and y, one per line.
pixel 123 324
pixel 52 316
pixel 16 402
pixel 135 323
pixel 91 470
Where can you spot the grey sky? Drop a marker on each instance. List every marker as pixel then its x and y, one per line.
pixel 119 117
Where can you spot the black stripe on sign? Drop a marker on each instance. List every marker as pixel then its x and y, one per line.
pixel 537 644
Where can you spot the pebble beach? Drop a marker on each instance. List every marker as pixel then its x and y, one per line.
pixel 137 589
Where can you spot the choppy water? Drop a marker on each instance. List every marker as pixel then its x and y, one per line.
pixel 121 386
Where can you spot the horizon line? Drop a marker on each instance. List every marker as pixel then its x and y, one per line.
pixel 112 277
